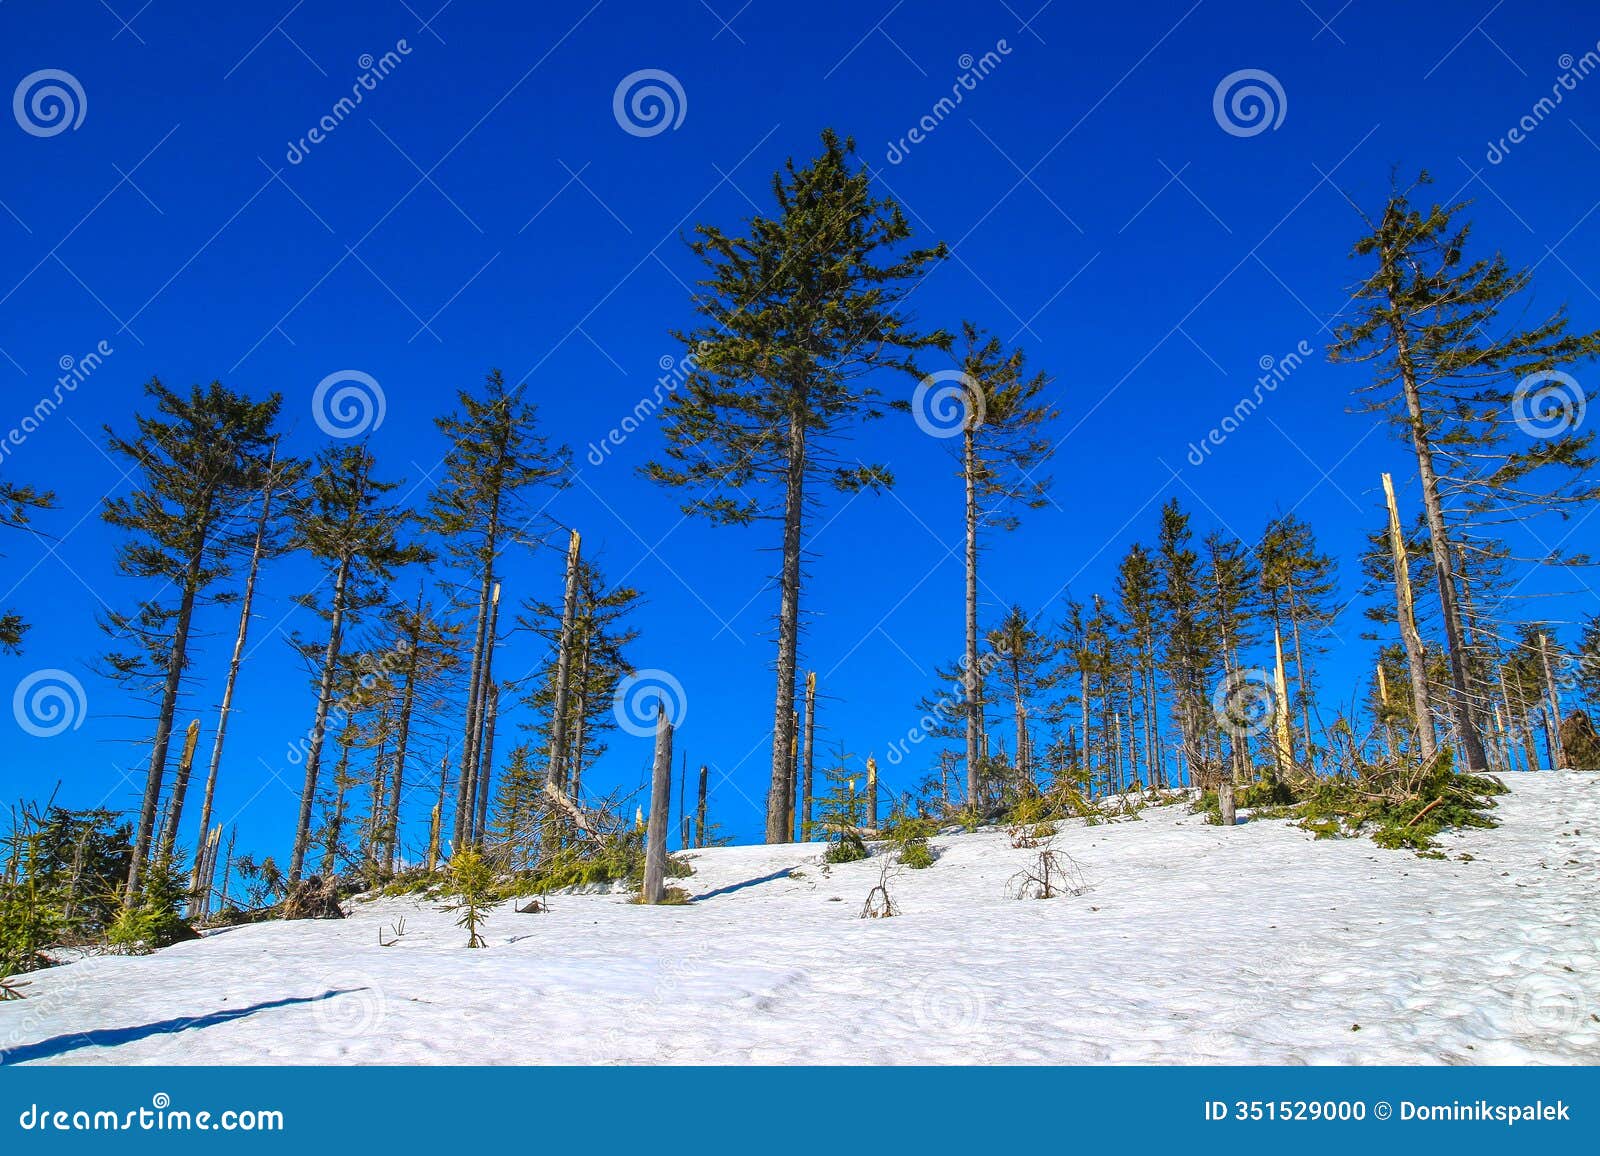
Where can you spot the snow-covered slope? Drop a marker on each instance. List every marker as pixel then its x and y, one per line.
pixel 1195 944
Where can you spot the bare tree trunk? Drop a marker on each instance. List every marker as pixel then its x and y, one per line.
pixel 469 744
pixel 485 775
pixel 341 783
pixel 655 848
pixel 700 811
pixel 319 725
pixel 557 774
pixel 806 780
pixel 1416 661
pixel 156 775
pixel 180 788
pixel 974 673
pixel 872 792
pixel 236 660
pixel 788 632
pixel 1553 711
pixel 391 822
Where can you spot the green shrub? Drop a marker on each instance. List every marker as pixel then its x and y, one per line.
pixel 847 847
pixel 916 854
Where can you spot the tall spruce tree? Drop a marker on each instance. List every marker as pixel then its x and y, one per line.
pixel 350 529
pixel 496 461
pixel 1024 668
pixel 1141 619
pixel 196 458
pixel 797 315
pixel 18 503
pixel 1004 442
pixel 1449 371
pixel 1298 582
pixel 1190 653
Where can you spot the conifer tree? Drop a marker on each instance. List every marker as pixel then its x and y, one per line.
pixel 517 810
pixel 496 461
pixel 1189 656
pixel 18 503
pixel 195 458
pixel 1447 374
pixel 1024 669
pixel 1233 600
pixel 1004 441
pixel 349 528
pixel 1141 616
pixel 795 316
pixel 1299 586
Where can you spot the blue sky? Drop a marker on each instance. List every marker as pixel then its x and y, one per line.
pixel 483 207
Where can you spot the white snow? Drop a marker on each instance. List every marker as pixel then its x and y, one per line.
pixel 1195 945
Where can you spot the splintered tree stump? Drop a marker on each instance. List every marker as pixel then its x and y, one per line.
pixel 313 899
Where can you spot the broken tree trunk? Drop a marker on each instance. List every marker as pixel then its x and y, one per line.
pixel 180 787
pixel 556 776
pixel 700 811
pixel 655 848
pixel 1553 711
pixel 808 757
pixel 1416 661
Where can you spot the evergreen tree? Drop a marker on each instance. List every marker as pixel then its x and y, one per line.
pixel 349 529
pixel 1003 443
pixel 195 459
pixel 1446 372
pixel 1141 616
pixel 518 811
pixel 1299 585
pixel 496 461
pixel 17 505
pixel 1024 670
pixel 796 314
pixel 1190 654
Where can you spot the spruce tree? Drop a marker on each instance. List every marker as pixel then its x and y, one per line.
pixel 1025 657
pixel 1299 585
pixel 195 459
pixel 1004 441
pixel 18 503
pixel 796 314
pixel 1452 375
pixel 349 528
pixel 496 461
pixel 1190 653
pixel 1141 616
pixel 514 833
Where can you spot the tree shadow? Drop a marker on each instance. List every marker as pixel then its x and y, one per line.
pixel 732 887
pixel 116 1037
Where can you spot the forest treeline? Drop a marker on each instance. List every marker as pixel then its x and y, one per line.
pixel 1199 667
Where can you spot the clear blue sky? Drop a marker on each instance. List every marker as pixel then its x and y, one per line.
pixel 483 207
